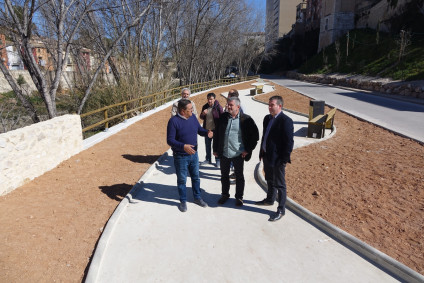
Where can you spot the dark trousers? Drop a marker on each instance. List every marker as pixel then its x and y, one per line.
pixel 275 176
pixel 208 145
pixel 238 163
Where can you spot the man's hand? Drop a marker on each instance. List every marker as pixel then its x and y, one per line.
pixel 189 149
pixel 215 154
pixel 243 154
pixel 210 134
pixel 205 112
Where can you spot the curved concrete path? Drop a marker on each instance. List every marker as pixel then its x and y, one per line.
pixel 149 239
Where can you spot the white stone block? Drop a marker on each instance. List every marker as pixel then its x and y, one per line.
pixel 31 151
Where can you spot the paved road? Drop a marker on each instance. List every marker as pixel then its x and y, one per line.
pixel 149 240
pixel 403 117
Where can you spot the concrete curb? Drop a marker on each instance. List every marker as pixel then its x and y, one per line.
pixel 110 225
pixel 390 265
pixel 394 267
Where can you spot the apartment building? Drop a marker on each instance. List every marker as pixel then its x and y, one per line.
pixel 11 57
pixel 280 17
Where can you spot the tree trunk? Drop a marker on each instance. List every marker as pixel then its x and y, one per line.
pixel 18 91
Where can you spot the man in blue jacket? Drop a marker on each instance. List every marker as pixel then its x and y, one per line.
pixel 276 147
pixel 182 132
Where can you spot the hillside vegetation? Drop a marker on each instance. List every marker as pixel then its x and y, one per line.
pixel 368 52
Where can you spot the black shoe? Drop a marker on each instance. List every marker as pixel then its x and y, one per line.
pixel 264 202
pixel 200 202
pixel 239 202
pixel 223 199
pixel 183 206
pixel 233 176
pixel 276 216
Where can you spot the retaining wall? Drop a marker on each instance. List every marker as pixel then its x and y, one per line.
pixel 29 152
pixel 66 82
pixel 407 89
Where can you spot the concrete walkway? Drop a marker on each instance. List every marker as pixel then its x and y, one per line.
pixel 149 240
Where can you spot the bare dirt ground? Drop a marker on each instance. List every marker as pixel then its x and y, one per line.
pixel 368 181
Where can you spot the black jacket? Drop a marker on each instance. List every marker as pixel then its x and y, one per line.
pixel 216 112
pixel 279 143
pixel 249 134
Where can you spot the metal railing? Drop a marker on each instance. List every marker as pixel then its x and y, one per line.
pixel 138 105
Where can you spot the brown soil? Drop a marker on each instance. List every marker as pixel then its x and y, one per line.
pixel 368 181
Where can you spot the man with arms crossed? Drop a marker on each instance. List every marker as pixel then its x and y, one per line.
pixel 182 132
pixel 276 147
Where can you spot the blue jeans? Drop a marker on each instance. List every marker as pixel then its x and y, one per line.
pixel 185 164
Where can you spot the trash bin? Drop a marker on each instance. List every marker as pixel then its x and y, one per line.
pixel 316 107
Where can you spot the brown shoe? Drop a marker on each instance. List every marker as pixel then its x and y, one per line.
pixel 239 202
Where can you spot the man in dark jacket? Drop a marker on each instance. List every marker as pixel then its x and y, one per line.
pixel 210 114
pixel 235 138
pixel 276 147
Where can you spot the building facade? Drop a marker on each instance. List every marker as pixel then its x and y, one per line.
pixel 14 61
pixel 280 18
pixel 337 18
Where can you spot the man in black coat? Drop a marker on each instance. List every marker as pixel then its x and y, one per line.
pixel 276 147
pixel 236 136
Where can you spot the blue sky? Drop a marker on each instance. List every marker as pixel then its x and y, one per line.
pixel 261 6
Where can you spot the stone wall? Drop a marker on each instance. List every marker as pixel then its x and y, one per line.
pixel 381 85
pixel 66 82
pixel 5 87
pixel 29 152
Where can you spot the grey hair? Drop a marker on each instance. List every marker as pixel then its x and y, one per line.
pixel 184 89
pixel 235 99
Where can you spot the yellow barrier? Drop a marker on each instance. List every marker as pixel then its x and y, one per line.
pixel 155 100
